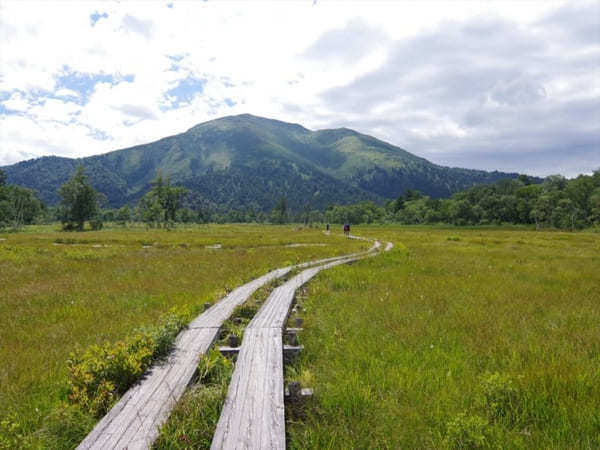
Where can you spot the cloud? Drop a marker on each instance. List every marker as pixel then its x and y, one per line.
pixel 347 45
pixel 143 27
pixel 476 93
pixel 500 85
pixel 137 112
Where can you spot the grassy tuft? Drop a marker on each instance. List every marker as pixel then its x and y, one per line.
pixel 487 340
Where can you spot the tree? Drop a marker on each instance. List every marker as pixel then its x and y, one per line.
pixel 79 201
pixel 412 194
pixel 398 204
pixel 123 215
pixel 161 203
pixel 18 205
pixel 279 213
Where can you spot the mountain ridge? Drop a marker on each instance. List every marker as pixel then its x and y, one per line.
pixel 237 161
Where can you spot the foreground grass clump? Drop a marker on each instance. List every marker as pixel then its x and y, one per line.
pixel 475 338
pixel 193 421
pixel 64 291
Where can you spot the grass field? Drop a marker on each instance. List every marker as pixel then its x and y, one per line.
pixel 66 291
pixel 457 338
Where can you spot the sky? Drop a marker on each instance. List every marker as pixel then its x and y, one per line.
pixel 511 86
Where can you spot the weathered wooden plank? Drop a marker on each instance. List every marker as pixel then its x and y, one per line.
pixel 253 414
pixel 155 395
pixel 135 420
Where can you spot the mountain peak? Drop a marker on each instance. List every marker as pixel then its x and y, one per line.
pixel 236 161
pixel 247 120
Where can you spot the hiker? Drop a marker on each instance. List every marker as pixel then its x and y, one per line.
pixel 347 229
pixel 327 227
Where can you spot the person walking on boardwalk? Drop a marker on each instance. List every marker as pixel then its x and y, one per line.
pixel 347 229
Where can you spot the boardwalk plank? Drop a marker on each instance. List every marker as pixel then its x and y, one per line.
pixel 135 420
pixel 154 396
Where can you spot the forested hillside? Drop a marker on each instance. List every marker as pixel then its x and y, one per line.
pixel 238 161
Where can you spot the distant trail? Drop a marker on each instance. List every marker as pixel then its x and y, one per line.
pixel 253 416
pixel 134 422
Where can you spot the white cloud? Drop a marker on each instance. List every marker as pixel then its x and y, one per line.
pixel 282 60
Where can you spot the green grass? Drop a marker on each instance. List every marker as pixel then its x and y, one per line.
pixel 67 291
pixel 193 421
pixel 455 339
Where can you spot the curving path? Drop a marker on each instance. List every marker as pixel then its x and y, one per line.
pixel 135 420
pixel 253 416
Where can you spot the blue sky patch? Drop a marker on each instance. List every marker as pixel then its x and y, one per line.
pixel 96 16
pixel 98 135
pixel 84 83
pixel 175 59
pixel 185 90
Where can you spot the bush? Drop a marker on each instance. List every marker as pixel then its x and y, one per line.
pixel 98 376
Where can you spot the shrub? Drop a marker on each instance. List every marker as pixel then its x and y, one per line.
pixel 99 375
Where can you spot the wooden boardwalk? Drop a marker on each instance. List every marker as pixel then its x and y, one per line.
pixel 134 422
pixel 253 416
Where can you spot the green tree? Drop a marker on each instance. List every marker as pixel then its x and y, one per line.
pixel 160 204
pixel 123 215
pixel 18 206
pixel 280 211
pixel 79 201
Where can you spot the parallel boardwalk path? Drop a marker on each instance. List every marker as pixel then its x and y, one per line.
pixel 253 416
pixel 134 422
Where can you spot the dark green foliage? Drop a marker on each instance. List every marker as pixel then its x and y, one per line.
pixel 230 162
pixel 280 212
pixel 555 203
pixel 160 205
pixel 18 205
pixel 123 215
pixel 79 202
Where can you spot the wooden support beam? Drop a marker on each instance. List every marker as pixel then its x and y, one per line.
pixel 229 351
pixel 294 392
pixel 293 330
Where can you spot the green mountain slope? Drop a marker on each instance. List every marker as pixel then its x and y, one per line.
pixel 241 160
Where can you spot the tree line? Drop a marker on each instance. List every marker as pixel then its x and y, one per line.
pixel 557 202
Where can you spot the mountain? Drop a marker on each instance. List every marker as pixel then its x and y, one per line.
pixel 237 161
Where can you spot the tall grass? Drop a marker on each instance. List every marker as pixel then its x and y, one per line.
pixel 66 291
pixel 455 339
